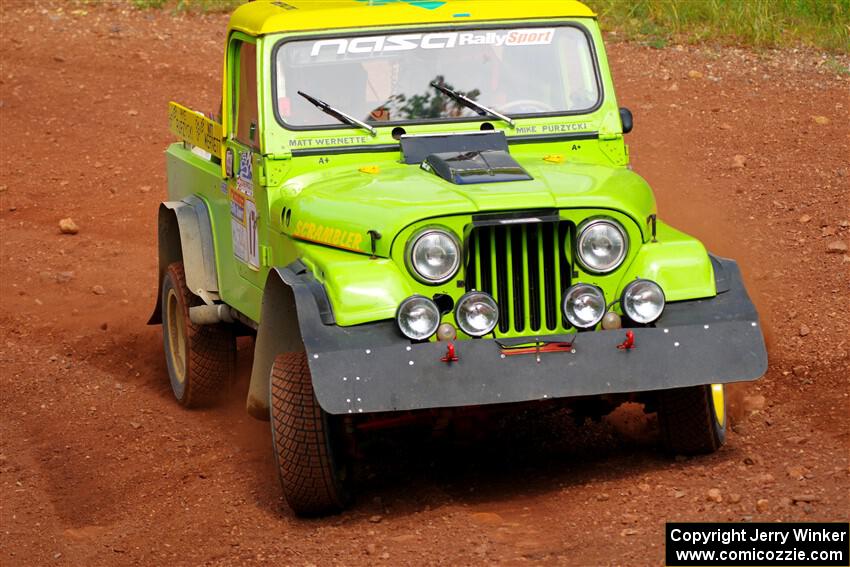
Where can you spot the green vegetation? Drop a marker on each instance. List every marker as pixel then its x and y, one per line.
pixel 837 66
pixel 189 5
pixel 824 24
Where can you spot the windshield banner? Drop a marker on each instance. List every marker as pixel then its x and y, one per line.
pixel 442 40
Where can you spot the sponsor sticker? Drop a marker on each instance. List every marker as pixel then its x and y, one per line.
pixel 237 206
pixel 437 40
pixel 240 239
pixel 246 166
pixel 244 229
pixel 251 226
pixel 195 128
pixel 228 162
pixel 245 187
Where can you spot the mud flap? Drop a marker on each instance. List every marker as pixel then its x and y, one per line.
pixel 292 300
pixel 373 368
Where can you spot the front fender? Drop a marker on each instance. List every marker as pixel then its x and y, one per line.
pixel 361 289
pixel 677 262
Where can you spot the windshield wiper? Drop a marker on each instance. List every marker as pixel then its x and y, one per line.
pixel 338 114
pixel 469 103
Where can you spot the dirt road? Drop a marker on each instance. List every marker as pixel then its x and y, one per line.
pixel 98 466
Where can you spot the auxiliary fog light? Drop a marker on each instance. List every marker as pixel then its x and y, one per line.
pixel 418 317
pixel 643 301
pixel 476 313
pixel 611 321
pixel 584 305
pixel 446 332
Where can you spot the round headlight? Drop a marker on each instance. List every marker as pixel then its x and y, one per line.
pixel 643 301
pixel 601 246
pixel 476 313
pixel 418 317
pixel 584 305
pixel 433 256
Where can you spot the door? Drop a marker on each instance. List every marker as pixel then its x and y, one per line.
pixel 242 163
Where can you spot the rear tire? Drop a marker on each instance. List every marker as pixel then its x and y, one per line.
pixel 693 420
pixel 201 359
pixel 311 461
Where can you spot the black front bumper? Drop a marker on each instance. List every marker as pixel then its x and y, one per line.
pixel 372 368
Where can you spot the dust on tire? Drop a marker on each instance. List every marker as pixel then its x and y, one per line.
pixel 210 349
pixel 310 465
pixel 687 421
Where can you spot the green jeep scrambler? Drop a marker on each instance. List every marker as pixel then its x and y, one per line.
pixel 424 208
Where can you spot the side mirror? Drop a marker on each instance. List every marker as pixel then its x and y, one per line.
pixel 626 119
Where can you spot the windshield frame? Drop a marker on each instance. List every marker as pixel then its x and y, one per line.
pixel 523 24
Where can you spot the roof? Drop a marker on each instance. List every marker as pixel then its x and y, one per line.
pixel 271 16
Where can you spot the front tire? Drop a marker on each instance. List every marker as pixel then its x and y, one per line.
pixel 693 420
pixel 311 460
pixel 201 359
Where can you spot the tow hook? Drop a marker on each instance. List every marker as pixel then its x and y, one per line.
pixel 629 343
pixel 450 356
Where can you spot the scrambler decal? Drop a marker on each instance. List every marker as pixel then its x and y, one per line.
pixel 328 235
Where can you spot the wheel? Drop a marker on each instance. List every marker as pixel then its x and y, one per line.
pixel 201 359
pixel 311 459
pixel 693 420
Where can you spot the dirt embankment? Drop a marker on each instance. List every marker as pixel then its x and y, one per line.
pixel 98 466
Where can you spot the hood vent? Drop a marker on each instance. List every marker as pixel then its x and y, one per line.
pixel 488 166
pixel 416 147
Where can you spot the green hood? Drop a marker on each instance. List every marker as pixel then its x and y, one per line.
pixel 352 202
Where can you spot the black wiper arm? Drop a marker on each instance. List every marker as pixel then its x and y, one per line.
pixel 469 103
pixel 338 114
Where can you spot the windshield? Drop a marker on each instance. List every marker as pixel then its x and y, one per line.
pixel 383 79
